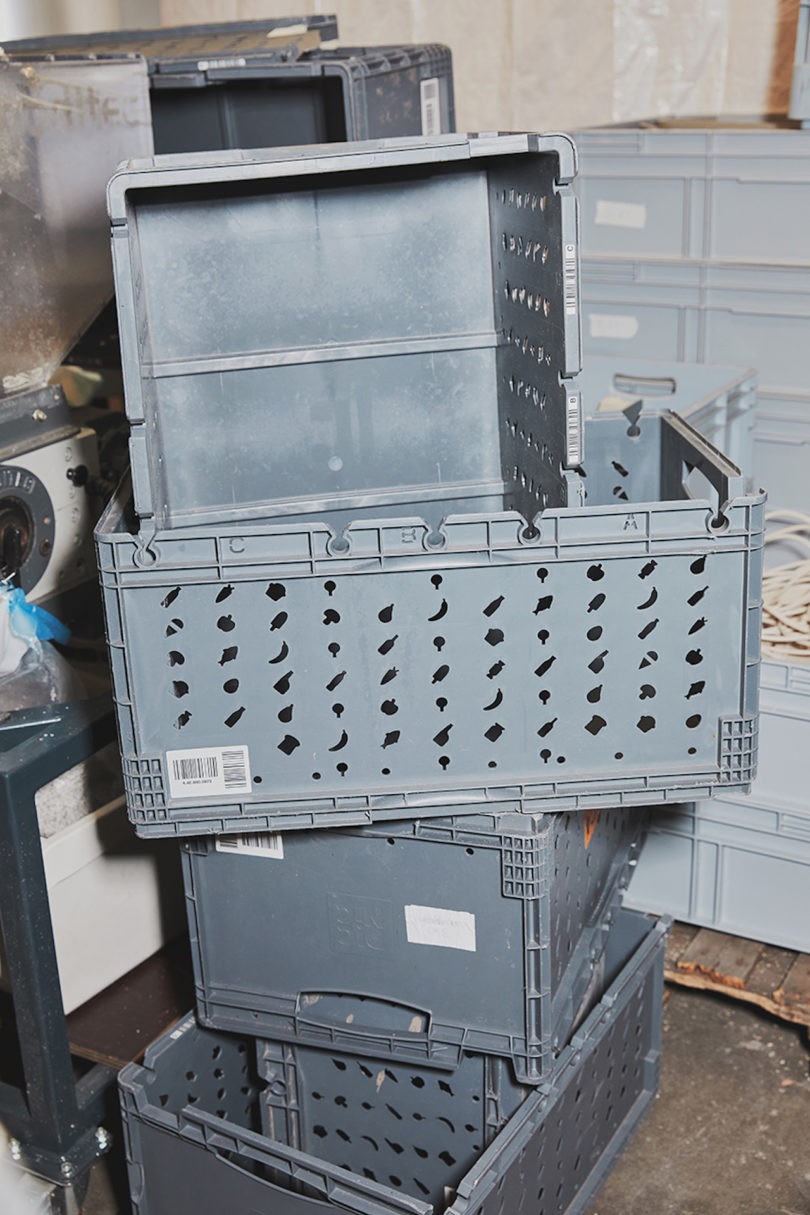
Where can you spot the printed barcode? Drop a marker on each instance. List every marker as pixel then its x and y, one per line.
pixel 431 109
pixel 209 65
pixel 233 768
pixel 263 843
pixel 570 280
pixel 203 767
pixel 574 431
pixel 208 772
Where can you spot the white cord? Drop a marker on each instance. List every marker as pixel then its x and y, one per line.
pixel 786 593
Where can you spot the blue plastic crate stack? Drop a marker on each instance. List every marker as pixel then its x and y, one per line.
pixel 405 652
pixel 695 247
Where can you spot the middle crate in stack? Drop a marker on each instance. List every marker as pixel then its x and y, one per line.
pixel 420 940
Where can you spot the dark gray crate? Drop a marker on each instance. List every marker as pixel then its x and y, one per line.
pixel 321 96
pixel 192 1121
pixel 608 658
pixel 350 330
pixel 424 939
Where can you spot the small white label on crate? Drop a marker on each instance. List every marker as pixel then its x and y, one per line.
pixel 431 106
pixel 262 843
pixel 181 1029
pixel 570 279
pixel 608 325
pixel 574 429
pixel 208 772
pixel 211 65
pixel 620 214
pixel 438 926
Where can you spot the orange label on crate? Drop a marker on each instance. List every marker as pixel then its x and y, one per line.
pixel 591 819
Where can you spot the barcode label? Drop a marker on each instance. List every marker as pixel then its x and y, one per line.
pixel 263 843
pixel 208 772
pixel 211 65
pixel 574 429
pixel 570 279
pixel 431 106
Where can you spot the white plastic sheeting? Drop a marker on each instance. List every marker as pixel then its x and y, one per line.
pixel 546 64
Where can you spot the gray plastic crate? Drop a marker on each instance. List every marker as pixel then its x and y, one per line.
pixel 608 656
pixel 424 939
pixel 348 330
pixel 249 84
pixel 192 1120
pixel 800 86
pixel 717 401
pixel 743 865
pixel 701 313
pixel 716 194
pixel 321 96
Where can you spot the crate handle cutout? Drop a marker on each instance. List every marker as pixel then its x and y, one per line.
pixel 685 452
pixel 340 1010
pixel 253 1155
pixel 645 385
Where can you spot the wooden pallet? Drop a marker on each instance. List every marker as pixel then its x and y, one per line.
pixel 777 980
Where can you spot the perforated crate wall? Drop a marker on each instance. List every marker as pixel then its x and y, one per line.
pixel 270 677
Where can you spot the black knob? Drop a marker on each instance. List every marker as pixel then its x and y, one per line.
pixel 78 475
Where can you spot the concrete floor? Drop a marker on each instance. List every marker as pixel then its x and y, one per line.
pixel 728 1135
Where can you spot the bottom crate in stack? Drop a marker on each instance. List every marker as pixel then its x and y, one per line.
pixel 194 1112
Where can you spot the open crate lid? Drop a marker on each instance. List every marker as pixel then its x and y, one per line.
pixel 64 127
pixel 351 326
pixel 193 48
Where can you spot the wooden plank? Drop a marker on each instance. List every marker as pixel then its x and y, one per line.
pixel 726 960
pixel 776 980
pixel 769 973
pixel 794 992
pixel 118 1024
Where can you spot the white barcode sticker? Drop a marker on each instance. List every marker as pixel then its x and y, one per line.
pixel 262 843
pixel 208 772
pixel 570 279
pixel 431 106
pixel 211 65
pixel 574 428
pixel 620 214
pixel 612 325
pixel 439 926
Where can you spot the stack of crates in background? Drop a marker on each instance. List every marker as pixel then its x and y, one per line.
pixel 403 672
pixel 695 246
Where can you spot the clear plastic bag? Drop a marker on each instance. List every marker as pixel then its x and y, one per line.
pixel 32 671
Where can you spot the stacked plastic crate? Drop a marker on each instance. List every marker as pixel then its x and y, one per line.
pixel 695 247
pixel 402 692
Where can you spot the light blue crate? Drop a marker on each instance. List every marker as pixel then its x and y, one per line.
pixel 712 191
pixel 718 401
pixel 742 865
